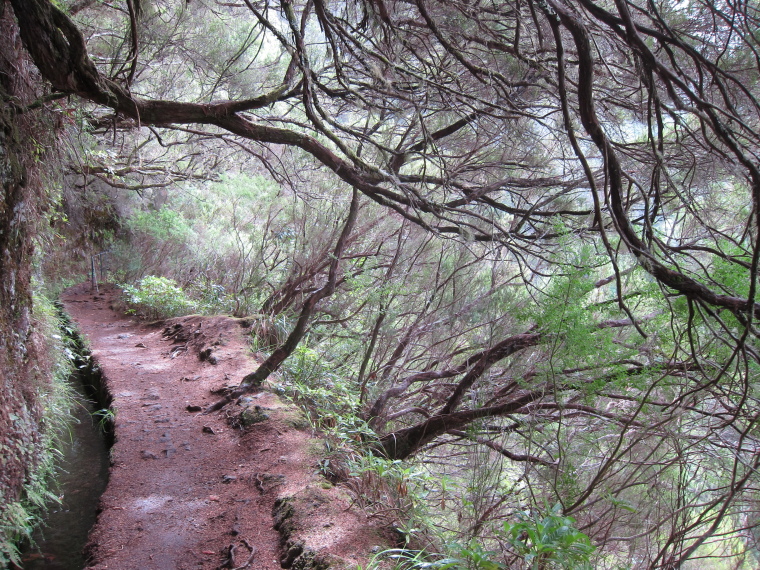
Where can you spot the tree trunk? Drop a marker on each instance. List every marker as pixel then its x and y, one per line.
pixel 253 380
pixel 405 442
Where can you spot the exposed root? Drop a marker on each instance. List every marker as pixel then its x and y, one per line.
pixel 230 562
pixel 233 395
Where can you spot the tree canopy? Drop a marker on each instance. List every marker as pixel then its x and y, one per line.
pixel 551 249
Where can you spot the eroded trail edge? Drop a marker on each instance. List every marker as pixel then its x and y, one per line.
pixel 188 490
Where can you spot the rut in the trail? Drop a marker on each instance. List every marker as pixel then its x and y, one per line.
pixel 187 490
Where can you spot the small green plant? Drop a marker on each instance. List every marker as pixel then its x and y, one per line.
pixel 470 557
pixel 158 297
pixel 549 541
pixel 405 559
pixel 543 542
pixel 106 418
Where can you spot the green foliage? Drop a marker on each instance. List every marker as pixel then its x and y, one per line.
pixel 549 541
pixel 17 522
pixel 470 557
pixel 541 541
pixel 327 396
pixel 569 309
pixel 410 304
pixel 158 297
pixel 419 560
pixel 106 419
pixel 161 297
pixel 163 224
pixel 734 278
pixel 474 557
pixel 230 233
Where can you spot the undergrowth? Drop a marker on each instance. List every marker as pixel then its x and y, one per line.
pixel 160 297
pixel 410 499
pixel 539 541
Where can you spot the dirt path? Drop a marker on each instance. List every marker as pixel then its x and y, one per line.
pixel 186 489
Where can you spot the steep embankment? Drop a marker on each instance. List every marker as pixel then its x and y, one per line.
pixel 188 490
pixel 27 137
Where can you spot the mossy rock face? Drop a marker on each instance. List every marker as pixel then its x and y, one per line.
pixel 295 554
pixel 283 512
pixel 291 554
pixel 311 560
pixel 252 415
pixel 296 419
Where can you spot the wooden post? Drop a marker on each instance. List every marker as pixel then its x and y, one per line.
pixel 94 275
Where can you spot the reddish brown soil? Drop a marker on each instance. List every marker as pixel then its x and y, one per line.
pixel 186 488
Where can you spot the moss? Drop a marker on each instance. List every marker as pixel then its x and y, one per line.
pixel 292 552
pixel 296 419
pixel 252 415
pixel 283 512
pixel 310 560
pixel 317 448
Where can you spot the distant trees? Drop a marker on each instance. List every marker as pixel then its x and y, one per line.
pixel 566 273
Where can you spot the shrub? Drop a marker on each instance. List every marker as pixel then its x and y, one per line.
pixel 157 298
pixel 549 541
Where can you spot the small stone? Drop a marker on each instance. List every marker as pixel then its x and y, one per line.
pixel 228 478
pixel 208 429
pixel 213 498
pixel 148 454
pixel 193 408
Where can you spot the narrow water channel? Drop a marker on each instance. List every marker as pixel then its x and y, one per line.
pixel 82 480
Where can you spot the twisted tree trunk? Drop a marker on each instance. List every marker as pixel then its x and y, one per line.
pixel 253 380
